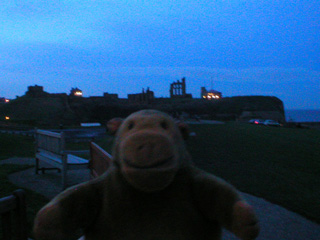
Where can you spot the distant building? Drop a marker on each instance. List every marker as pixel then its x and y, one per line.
pixel 211 94
pixel 144 97
pixel 58 95
pixel 4 100
pixel 76 92
pixel 108 96
pixel 36 91
pixel 178 89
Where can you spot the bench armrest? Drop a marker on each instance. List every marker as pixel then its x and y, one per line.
pixel 76 151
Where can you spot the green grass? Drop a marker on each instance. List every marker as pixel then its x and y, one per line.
pixel 16 145
pixel 106 143
pixel 281 165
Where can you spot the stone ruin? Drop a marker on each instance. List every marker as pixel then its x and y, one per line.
pixel 178 89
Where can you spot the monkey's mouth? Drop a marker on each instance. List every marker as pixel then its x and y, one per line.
pixel 157 164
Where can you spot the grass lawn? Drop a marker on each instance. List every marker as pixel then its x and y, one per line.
pixel 16 145
pixel 281 165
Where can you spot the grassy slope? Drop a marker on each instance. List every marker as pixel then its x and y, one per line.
pixel 14 145
pixel 281 165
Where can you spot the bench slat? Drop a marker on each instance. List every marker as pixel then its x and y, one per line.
pixel 7 203
pixel 48 133
pixel 50 148
pixel 100 160
pixel 13 216
pixel 72 159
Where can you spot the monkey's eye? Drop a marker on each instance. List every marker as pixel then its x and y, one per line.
pixel 164 125
pixel 130 125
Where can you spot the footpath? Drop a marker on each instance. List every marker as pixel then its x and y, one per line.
pixel 276 222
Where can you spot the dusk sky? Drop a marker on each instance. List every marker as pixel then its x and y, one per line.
pixel 257 47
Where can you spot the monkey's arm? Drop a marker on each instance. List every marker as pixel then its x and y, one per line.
pixel 220 202
pixel 68 213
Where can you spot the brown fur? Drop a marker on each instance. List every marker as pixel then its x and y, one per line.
pixel 113 125
pixel 151 192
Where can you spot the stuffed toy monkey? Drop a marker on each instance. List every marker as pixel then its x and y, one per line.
pixel 151 192
pixel 113 125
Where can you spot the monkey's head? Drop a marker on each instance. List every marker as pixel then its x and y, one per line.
pixel 113 125
pixel 149 149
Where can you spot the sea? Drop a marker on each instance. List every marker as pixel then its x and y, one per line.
pixel 295 115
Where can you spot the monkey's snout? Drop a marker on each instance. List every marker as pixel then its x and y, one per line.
pixel 141 147
pixel 147 149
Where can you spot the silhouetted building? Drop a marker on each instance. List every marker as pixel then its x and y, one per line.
pixel 58 95
pixel 76 92
pixel 110 96
pixel 36 91
pixel 178 89
pixel 211 94
pixel 4 100
pixel 144 97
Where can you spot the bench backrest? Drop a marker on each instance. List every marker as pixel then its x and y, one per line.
pixel 100 160
pixel 13 216
pixel 50 141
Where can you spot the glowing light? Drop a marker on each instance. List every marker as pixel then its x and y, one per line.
pixel 7 100
pixel 78 93
pixel 211 96
pixel 7 118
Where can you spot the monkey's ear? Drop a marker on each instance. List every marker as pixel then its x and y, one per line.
pixel 184 130
pixel 113 125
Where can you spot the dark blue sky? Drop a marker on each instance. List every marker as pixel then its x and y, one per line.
pixel 245 47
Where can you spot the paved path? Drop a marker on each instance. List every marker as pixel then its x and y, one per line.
pixel 276 222
pixel 48 184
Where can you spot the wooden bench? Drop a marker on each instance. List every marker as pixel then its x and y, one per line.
pixel 100 160
pixel 13 216
pixel 50 148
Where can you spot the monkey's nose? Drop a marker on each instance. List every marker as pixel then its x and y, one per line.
pixel 147 149
pixel 139 148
